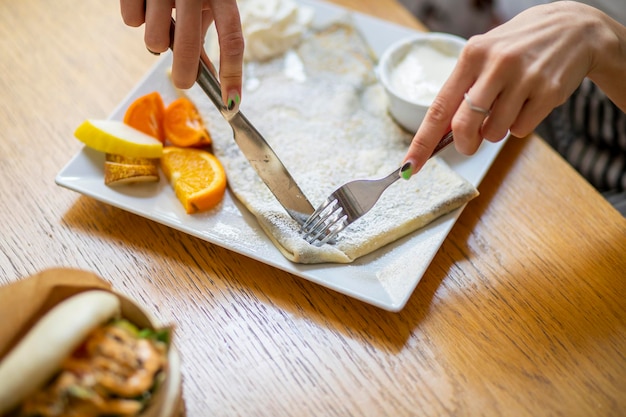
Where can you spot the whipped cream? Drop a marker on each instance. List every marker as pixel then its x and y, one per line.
pixel 421 73
pixel 272 27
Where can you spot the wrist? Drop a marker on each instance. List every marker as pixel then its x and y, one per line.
pixel 608 67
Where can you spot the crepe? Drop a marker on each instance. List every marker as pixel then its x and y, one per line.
pixel 321 109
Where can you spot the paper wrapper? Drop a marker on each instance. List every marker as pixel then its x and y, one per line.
pixel 24 302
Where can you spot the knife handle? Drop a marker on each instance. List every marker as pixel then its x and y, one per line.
pixel 211 86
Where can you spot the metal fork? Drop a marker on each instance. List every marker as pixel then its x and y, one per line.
pixel 351 201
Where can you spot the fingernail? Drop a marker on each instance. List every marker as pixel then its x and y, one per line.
pixel 233 100
pixel 152 52
pixel 406 171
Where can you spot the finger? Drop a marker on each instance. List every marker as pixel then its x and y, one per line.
pixel 479 94
pixel 132 12
pixel 438 118
pixel 157 33
pixel 230 36
pixel 435 124
pixel 529 117
pixel 503 114
pixel 187 43
pixel 468 120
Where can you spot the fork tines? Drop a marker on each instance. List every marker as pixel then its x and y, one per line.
pixel 325 223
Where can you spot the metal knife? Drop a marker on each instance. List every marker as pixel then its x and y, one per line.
pixel 261 156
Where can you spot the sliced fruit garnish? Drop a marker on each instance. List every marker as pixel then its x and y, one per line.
pixel 197 177
pixel 120 159
pixel 116 137
pixel 120 170
pixel 183 125
pixel 146 114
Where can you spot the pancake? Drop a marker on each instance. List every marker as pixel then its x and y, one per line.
pixel 322 110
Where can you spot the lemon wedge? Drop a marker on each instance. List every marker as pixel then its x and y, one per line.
pixel 116 137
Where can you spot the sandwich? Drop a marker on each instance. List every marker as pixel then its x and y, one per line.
pixel 86 358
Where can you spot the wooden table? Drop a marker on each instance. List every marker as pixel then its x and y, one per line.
pixel 522 311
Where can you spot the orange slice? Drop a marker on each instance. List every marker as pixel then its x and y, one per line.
pixel 183 125
pixel 197 177
pixel 146 114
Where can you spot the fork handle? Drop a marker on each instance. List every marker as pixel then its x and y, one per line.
pixel 447 139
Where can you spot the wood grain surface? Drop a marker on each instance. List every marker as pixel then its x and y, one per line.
pixel 522 312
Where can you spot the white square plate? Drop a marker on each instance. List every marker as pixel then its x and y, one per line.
pixel 385 278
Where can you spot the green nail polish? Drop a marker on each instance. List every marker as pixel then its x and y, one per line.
pixel 406 171
pixel 233 99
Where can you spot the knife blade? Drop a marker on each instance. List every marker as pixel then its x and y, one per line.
pixel 254 147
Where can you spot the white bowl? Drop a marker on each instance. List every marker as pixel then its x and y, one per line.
pixel 412 70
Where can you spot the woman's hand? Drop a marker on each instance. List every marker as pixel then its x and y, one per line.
pixel 193 18
pixel 511 78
